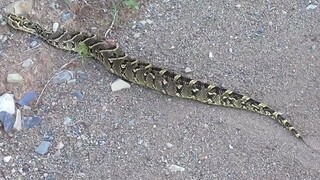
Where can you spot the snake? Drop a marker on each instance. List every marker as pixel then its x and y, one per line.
pixel 145 74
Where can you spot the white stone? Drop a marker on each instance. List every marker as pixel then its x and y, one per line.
pixel 187 70
pixel 55 27
pixel 60 145
pixel 210 55
pixel 149 21
pixel 169 145
pixel 143 22
pixel 7 103
pixel 230 146
pixel 18 124
pixel 311 7
pixel 136 35
pixel 14 78
pixel 176 168
pixel 119 84
pixel 7 159
pixel 27 63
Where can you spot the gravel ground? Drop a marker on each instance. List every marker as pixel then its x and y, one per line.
pixel 269 51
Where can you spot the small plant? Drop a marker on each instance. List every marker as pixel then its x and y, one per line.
pixel 83 50
pixel 132 4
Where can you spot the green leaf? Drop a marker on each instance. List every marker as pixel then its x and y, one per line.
pixel 132 4
pixel 83 50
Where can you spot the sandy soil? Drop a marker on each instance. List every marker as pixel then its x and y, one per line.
pixel 269 51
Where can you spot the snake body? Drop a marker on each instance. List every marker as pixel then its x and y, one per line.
pixel 146 74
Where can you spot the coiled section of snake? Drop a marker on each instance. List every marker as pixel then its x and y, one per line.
pixel 146 74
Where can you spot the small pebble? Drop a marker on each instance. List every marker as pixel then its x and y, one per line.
pixel 33 44
pixel 43 147
pixel 81 76
pixel 27 63
pixel 54 5
pixel 311 7
pixel 27 98
pixel 72 81
pixel 169 145
pixel 143 22
pixel 65 16
pixel 60 145
pixel 3 38
pixel 18 123
pixel 176 168
pixel 62 77
pixel 188 70
pixel 67 121
pixel 119 84
pixel 136 35
pixel 14 78
pixel 132 122
pixel 230 146
pixel 7 159
pixel 55 27
pixel 78 95
pixel 149 21
pixel 30 122
pixel 210 55
pixel 138 25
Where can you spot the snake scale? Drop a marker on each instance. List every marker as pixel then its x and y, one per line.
pixel 146 74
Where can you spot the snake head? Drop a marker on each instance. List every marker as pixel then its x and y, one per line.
pixel 21 23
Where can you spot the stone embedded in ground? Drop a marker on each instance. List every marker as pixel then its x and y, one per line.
pixel 136 35
pixel 119 84
pixel 65 16
pixel 7 120
pixel 132 122
pixel 43 147
pixel 3 38
pixel 7 103
pixel 33 43
pixel 62 77
pixel 67 121
pixel 55 27
pixel 27 63
pixel 169 145
pixel 60 145
pixel 18 123
pixel 188 70
pixel 210 55
pixel 30 122
pixel 176 168
pixel 311 7
pixel 7 159
pixel 14 78
pixel 7 111
pixel 81 76
pixel 78 95
pixel 28 98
